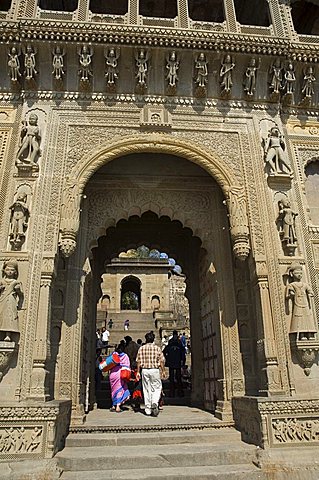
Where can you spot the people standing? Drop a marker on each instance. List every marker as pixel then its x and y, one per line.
pixel 127 324
pixel 151 366
pixel 119 389
pixel 174 354
pixel 110 323
pixel 105 339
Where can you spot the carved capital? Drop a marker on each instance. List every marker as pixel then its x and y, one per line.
pixel 67 243
pixel 239 229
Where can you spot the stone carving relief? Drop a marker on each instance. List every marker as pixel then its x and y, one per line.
pixel 275 78
pixel 70 218
pixel 14 64
pixel 289 82
pixel 85 54
pixel 303 327
pixel 19 219
pixel 275 155
pixel 225 74
pixel 201 75
pixel 250 77
pixel 308 90
pixel 58 63
pixel 141 64
pixel 172 66
pixel 30 63
pixel 295 430
pixel 286 225
pixel 239 229
pixel 20 440
pixel 112 56
pixel 29 150
pixel 11 300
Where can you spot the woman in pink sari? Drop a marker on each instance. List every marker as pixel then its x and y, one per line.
pixel 119 389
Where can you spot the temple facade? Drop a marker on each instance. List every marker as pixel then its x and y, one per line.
pixel 187 126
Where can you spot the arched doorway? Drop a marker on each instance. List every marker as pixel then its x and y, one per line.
pixel 166 202
pixel 131 293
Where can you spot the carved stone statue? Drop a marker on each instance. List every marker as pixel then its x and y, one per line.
pixel 141 58
pixel 308 83
pixel 286 221
pixel 29 150
pixel 14 64
pixel 30 63
pixel 19 221
pixel 11 299
pixel 275 73
pixel 250 77
pixel 289 80
pixel 111 62
pixel 300 293
pixel 57 63
pixel 85 59
pixel 172 66
pixel 201 69
pixel 226 74
pixel 275 154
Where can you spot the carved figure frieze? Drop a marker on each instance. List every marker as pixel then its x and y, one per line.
pixel 29 150
pixel 21 440
pixel 14 64
pixel 299 295
pixel 275 154
pixel 172 66
pixel 309 79
pixel 295 430
pixel 225 74
pixel 289 82
pixel 275 77
pixel 58 63
pixel 250 77
pixel 19 220
pixel 85 54
pixel 286 223
pixel 201 74
pixel 30 62
pixel 141 64
pixel 112 56
pixel 11 300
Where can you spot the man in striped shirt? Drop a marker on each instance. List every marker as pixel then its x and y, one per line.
pixel 151 362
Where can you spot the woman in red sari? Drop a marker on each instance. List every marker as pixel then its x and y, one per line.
pixel 119 389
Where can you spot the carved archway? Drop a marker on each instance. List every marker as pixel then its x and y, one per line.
pixel 154 143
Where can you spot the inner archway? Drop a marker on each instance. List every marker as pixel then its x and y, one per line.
pixel 131 293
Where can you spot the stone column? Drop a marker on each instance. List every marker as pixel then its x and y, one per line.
pixel 270 381
pixel 83 10
pixel 182 12
pixel 230 16
pixel 39 389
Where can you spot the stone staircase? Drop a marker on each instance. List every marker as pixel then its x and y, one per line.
pixel 194 453
pixel 140 323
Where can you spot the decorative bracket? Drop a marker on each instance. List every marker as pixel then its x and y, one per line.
pixel 239 229
pixel 306 351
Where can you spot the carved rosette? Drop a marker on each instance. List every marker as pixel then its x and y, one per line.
pixel 70 219
pixel 239 229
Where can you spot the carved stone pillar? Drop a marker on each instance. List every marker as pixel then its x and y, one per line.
pixel 133 7
pixel 270 381
pixel 230 16
pixel 41 349
pixel 83 10
pixel 276 18
pixel 70 219
pixel 183 16
pixel 239 230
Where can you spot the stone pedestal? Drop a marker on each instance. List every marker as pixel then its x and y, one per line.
pixel 277 421
pixel 33 430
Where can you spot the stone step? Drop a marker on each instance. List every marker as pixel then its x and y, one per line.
pixel 226 435
pixel 158 456
pixel 222 472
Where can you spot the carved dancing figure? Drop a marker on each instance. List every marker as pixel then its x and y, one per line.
pixel 289 79
pixel 250 77
pixel 30 141
pixel 58 63
pixel 226 74
pixel 202 70
pixel 85 60
pixel 275 154
pixel 111 61
pixel 172 67
pixel 19 220
pixel 141 58
pixel 287 219
pixel 14 64
pixel 300 293
pixel 309 80
pixel 29 63
pixel 275 73
pixel 35 439
pixel 11 299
